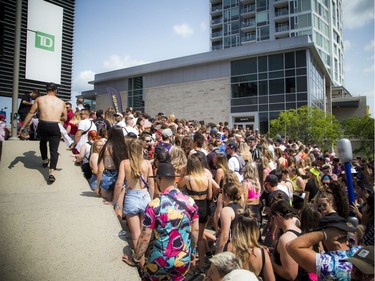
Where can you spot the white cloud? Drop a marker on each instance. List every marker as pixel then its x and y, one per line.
pixel 347 45
pixel 370 46
pixel 116 62
pixel 80 83
pixel 357 13
pixel 183 30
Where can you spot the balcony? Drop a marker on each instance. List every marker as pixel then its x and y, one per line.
pixel 282 28
pixel 216 10
pixel 248 38
pixel 216 35
pixel 281 14
pixel 248 10
pixel 247 1
pixel 217 47
pixel 216 21
pixel 281 3
pixel 215 2
pixel 248 24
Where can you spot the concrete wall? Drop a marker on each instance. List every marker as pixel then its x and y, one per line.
pixel 342 113
pixel 103 101
pixel 207 100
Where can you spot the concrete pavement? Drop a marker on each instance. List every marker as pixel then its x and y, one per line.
pixel 60 231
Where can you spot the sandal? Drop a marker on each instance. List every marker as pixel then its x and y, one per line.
pixel 129 261
pixel 51 178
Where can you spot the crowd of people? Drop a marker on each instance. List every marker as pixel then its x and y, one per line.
pixel 217 203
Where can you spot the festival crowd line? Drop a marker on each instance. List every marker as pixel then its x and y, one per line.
pixel 208 202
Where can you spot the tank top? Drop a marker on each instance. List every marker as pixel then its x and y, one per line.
pixel 252 194
pixel 302 273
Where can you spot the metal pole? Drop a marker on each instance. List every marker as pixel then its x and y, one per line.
pixel 16 68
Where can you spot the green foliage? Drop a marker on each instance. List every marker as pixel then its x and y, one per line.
pixel 310 125
pixel 362 129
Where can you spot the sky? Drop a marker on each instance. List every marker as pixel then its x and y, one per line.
pixel 115 34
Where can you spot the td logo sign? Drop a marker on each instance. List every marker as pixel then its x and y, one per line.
pixel 45 41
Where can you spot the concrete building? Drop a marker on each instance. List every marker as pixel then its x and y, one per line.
pixel 239 22
pixel 247 85
pixel 267 56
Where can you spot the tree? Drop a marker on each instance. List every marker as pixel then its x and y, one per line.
pixel 362 129
pixel 309 125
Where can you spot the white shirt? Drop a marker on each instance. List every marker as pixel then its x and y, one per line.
pixel 234 165
pixel 84 125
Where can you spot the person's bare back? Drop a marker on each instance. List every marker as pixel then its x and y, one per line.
pixel 51 108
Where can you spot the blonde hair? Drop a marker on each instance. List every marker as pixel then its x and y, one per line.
pixel 250 172
pixel 195 168
pixel 245 236
pixel 178 158
pixel 135 154
pixel 244 149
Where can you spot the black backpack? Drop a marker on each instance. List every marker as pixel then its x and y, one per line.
pixel 99 123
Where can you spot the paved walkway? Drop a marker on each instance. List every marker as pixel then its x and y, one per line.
pixel 55 232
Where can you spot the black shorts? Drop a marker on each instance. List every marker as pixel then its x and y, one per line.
pixel 202 210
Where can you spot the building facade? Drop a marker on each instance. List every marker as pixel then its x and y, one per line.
pixel 246 86
pixel 7 43
pixel 238 22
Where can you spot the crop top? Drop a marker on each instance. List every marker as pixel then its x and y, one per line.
pixel 191 192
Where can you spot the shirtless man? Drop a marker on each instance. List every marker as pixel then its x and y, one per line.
pixel 52 110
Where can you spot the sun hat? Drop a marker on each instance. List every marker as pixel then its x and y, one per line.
pixel 363 259
pixel 240 274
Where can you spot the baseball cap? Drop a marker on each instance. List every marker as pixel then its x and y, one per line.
pixel 272 179
pixel 335 221
pixel 363 259
pixel 232 145
pixel 167 132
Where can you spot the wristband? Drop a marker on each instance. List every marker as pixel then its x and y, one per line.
pixel 325 236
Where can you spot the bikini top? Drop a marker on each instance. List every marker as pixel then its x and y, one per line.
pixel 191 192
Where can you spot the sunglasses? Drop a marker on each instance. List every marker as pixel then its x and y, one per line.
pixel 147 141
pixel 325 183
pixel 324 205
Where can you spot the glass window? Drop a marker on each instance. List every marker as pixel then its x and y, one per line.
pixel 289 60
pixel 276 62
pixel 277 106
pixel 263 99
pixel 290 72
pixel 263 88
pixel 262 64
pixel 301 71
pixel 277 98
pixel 301 84
pixel 301 58
pixel 263 33
pixel 263 107
pixel 244 90
pixel 290 105
pixel 301 103
pixel 302 96
pixel 262 75
pixel 290 97
pixel 277 86
pixel 244 66
pixel 263 123
pixel 262 17
pixel 276 74
pixel 290 85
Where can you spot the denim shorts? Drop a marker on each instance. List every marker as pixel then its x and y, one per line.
pixel 109 179
pixel 93 182
pixel 136 201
